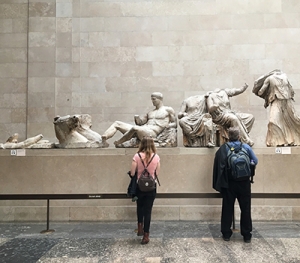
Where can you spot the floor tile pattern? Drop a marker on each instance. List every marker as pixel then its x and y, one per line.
pixel 170 241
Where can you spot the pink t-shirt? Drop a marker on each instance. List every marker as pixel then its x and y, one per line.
pixel 152 166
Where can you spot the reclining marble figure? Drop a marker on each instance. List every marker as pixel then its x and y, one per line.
pixel 74 131
pixel 196 123
pixel 160 123
pixel 218 106
pixel 284 123
pixel 32 142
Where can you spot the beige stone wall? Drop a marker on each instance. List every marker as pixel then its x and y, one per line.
pixel 104 58
pixel 13 67
pixel 99 171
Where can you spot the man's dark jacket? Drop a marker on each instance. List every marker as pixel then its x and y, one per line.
pixel 220 171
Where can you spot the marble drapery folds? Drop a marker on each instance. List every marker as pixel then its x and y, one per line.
pixel 284 123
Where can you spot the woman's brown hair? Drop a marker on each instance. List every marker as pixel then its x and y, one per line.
pixel 147 146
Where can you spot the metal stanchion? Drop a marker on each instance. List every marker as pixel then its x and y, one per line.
pixel 124 196
pixel 233 223
pixel 233 220
pixel 47 231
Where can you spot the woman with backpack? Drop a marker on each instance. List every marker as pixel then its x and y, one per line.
pixel 146 163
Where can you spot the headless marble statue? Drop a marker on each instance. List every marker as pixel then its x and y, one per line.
pixel 218 105
pixel 196 123
pixel 284 123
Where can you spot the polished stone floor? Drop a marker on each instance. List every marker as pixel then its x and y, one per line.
pixel 170 241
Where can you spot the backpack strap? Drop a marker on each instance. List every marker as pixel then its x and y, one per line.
pixel 231 148
pixel 156 177
pixel 149 161
pixel 241 146
pixel 148 165
pixel 227 144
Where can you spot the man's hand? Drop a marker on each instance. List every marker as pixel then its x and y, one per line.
pixel 246 86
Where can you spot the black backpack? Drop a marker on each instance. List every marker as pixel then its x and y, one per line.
pixel 146 182
pixel 238 163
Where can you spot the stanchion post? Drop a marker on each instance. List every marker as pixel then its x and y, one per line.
pixel 47 231
pixel 233 220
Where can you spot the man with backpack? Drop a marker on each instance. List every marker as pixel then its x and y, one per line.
pixel 232 177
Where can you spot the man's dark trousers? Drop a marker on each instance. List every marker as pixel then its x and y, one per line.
pixel 242 192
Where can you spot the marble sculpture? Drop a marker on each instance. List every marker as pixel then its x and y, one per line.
pixel 218 106
pixel 196 123
pixel 205 119
pixel 160 123
pixel 32 142
pixel 74 131
pixel 284 123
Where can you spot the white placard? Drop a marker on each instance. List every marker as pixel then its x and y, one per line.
pixel 286 150
pixel 18 152
pixel 21 152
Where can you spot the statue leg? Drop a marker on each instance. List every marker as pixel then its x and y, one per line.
pixel 247 120
pixel 116 126
pixel 32 140
pixel 23 144
pixel 184 126
pixel 139 131
pixel 209 133
pixel 237 122
pixel 210 139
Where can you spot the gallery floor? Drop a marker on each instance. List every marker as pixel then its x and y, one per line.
pixel 170 241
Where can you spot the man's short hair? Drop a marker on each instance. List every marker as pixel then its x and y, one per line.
pixel 233 133
pixel 157 95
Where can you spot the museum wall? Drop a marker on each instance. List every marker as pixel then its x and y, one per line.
pixel 13 67
pixel 100 171
pixel 105 58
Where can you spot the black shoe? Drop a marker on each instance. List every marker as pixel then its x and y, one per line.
pixel 247 240
pixel 226 238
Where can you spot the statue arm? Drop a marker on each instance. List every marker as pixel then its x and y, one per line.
pixel 172 118
pixel 236 91
pixel 292 90
pixel 182 110
pixel 264 86
pixel 140 120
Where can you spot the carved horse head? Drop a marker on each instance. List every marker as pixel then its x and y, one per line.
pixel 65 130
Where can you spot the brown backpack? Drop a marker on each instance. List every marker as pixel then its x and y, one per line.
pixel 146 182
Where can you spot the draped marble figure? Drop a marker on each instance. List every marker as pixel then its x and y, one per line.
pixel 218 105
pixel 196 123
pixel 159 123
pixel 284 123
